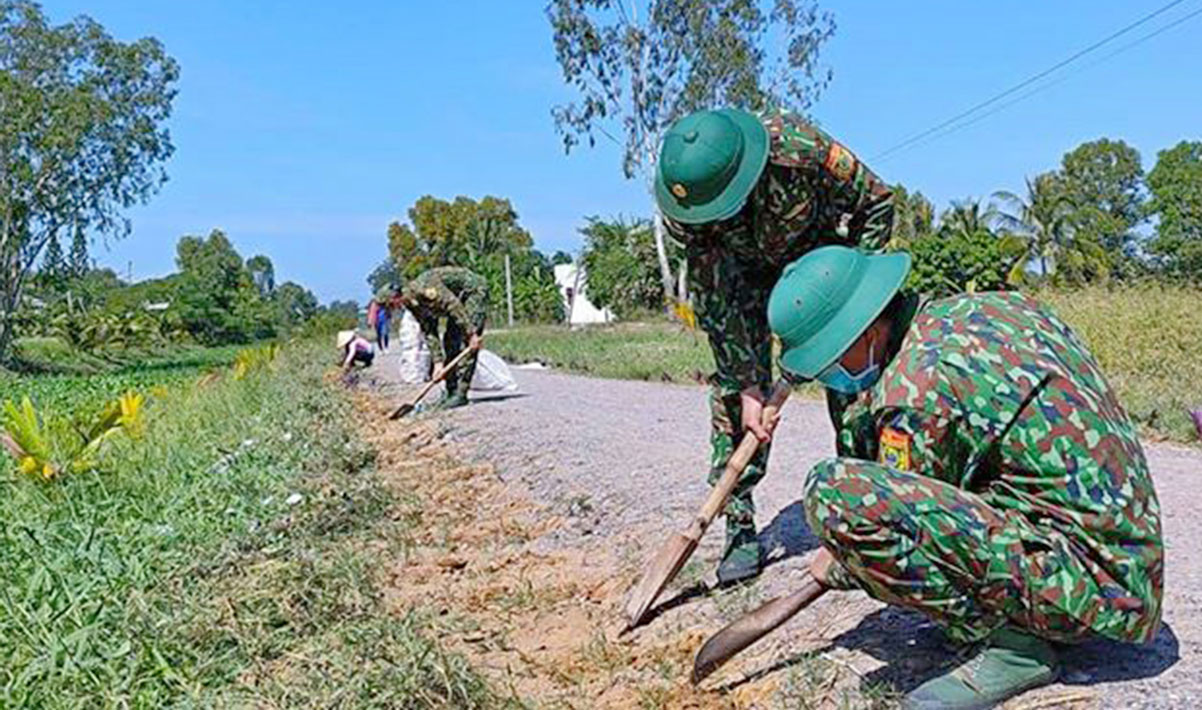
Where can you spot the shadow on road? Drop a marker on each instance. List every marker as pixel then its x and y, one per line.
pixel 915 650
pixel 789 533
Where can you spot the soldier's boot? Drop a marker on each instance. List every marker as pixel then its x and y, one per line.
pixel 741 560
pixel 1006 664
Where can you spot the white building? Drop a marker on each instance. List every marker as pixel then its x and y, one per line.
pixel 574 292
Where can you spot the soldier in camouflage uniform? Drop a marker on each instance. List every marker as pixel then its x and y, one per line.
pixel 461 297
pixel 746 195
pixel 987 475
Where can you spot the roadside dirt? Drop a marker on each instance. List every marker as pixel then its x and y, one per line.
pixel 539 510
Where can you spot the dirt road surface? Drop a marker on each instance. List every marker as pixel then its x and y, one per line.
pixel 624 464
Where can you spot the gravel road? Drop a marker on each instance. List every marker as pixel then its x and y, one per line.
pixel 627 460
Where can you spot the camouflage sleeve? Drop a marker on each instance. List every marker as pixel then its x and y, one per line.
pixel 429 326
pixel 857 192
pixel 475 306
pixel 735 317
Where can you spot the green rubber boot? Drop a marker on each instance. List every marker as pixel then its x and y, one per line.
pixel 449 400
pixel 1006 664
pixel 742 558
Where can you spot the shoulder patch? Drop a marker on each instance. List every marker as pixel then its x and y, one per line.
pixel 840 162
pixel 895 449
pixel 430 293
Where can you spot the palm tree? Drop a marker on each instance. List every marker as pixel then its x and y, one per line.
pixel 1038 224
pixel 967 217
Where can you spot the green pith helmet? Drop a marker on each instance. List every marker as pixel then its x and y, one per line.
pixel 826 299
pixel 709 164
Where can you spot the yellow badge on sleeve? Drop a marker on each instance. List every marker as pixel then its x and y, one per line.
pixel 840 162
pixel 895 449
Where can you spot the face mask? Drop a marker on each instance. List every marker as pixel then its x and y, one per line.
pixel 838 378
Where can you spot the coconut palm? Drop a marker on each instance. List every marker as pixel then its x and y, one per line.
pixel 968 217
pixel 1039 224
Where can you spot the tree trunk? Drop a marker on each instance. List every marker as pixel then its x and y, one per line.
pixel 661 252
pixel 508 290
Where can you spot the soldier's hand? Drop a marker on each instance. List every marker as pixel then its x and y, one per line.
pixel 476 341
pixel 752 401
pixel 440 369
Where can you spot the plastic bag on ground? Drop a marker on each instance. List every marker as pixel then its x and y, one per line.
pixel 492 374
pixel 415 356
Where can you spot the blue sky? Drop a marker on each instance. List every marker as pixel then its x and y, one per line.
pixel 303 128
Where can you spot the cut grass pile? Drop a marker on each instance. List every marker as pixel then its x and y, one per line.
pixel 1148 340
pixel 224 559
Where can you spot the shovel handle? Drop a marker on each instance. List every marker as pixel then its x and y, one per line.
pixel 738 461
pixel 430 385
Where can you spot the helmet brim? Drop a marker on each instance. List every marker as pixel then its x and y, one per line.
pixel 883 277
pixel 730 200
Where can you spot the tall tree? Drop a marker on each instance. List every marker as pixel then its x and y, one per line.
pixel 461 232
pixel 1103 181
pixel 78 263
pixel 384 277
pixel 262 273
pixel 1176 186
pixel 1039 221
pixel 638 65
pixel 619 265
pixel 294 304
pixel 54 270
pixel 913 216
pixel 82 135
pixel 218 302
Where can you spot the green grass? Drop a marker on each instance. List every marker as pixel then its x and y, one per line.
pixel 1148 340
pixel 631 351
pixel 230 558
pixel 1149 343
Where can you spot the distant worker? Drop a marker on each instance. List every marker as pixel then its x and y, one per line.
pixel 746 195
pixel 987 476
pixel 461 297
pixel 383 323
pixel 355 349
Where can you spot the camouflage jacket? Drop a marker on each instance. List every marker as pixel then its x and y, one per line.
pixel 452 292
pixel 992 393
pixel 813 192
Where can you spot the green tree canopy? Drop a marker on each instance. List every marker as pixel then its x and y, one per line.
pixel 636 66
pixel 1103 182
pixel 218 301
pixel 262 274
pixel 477 235
pixel 82 135
pixel 964 254
pixel 619 265
pixel 1176 186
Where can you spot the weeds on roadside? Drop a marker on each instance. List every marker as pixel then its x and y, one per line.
pixel 223 559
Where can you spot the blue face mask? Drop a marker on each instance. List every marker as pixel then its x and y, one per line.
pixel 837 377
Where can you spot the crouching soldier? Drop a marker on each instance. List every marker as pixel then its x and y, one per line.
pixel 459 296
pixel 987 475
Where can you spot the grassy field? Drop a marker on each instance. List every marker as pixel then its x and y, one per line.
pixel 222 559
pixel 631 351
pixel 1146 339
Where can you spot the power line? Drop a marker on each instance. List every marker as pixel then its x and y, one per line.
pixel 1028 81
pixel 1061 80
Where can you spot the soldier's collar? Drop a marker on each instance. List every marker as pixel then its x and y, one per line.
pixel 911 303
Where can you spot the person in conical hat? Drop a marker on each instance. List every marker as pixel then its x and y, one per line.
pixel 355 349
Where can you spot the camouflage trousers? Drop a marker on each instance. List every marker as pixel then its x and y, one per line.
pixel 921 543
pixel 459 379
pixel 726 417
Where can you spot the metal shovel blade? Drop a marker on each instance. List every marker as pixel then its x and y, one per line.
pixel 748 629
pixel 401 411
pixel 663 568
